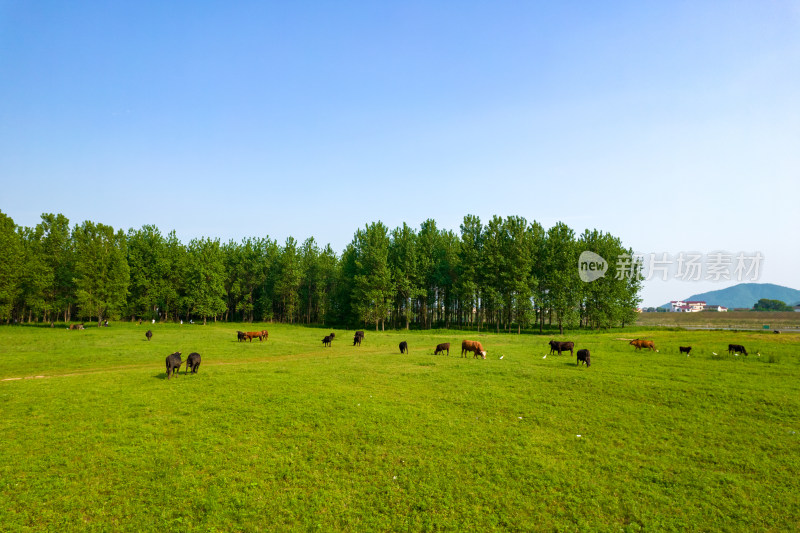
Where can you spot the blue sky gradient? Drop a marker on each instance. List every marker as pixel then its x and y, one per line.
pixel 673 125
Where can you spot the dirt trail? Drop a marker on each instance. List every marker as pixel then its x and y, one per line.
pixel 150 366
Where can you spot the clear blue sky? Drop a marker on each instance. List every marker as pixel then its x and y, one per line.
pixel 672 125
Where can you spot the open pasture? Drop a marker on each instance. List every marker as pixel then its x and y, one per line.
pixel 287 434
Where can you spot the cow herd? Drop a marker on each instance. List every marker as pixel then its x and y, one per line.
pixel 174 362
pixel 467 347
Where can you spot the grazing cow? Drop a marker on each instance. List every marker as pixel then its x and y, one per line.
pixel 240 336
pixel 357 340
pixel 445 346
pixel 562 346
pixel 776 331
pixel 193 362
pixel 584 357
pixel 326 341
pixel 685 349
pixel 474 347
pixel 736 348
pixel 173 364
pixel 639 344
pixel 255 335
pixel 76 326
pixel 404 347
pixel 149 334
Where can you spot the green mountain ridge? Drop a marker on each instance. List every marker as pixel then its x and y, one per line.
pixel 746 295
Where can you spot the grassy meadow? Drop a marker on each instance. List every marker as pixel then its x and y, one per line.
pixel 287 435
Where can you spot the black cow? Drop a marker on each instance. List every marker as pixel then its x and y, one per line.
pixel 149 334
pixel 357 340
pixel 585 357
pixel 736 348
pixel 445 346
pixel 685 349
pixel 173 363
pixel 332 335
pixel 561 346
pixel 241 336
pixel 404 347
pixel 193 362
pixel 326 341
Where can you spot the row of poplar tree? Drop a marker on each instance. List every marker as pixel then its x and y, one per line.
pixel 507 274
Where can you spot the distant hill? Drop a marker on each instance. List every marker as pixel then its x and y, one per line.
pixel 746 295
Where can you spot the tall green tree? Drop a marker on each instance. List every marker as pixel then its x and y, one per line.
pixel 289 278
pixel 246 267
pixel 205 273
pixel 493 271
pixel 429 254
pixel 11 264
pixel 561 278
pixel 327 286
pixel 55 241
pixel 470 253
pixel 446 274
pixel 404 272
pixel 36 276
pixel 519 252
pixel 102 274
pixel 149 263
pixel 372 283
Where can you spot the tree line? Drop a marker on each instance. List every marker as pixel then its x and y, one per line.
pixel 508 274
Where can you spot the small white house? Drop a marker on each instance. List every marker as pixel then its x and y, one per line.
pixel 679 306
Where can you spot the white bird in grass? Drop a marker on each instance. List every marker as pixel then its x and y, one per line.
pixel 502 356
pixel 715 353
pixel 544 357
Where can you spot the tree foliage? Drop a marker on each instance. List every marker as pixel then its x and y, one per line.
pixel 508 274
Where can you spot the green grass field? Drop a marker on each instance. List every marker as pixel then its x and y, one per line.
pixel 286 435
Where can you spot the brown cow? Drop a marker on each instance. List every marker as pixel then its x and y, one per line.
pixel 76 326
pixel 474 347
pixel 445 346
pixel 639 344
pixel 250 335
pixel 265 334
